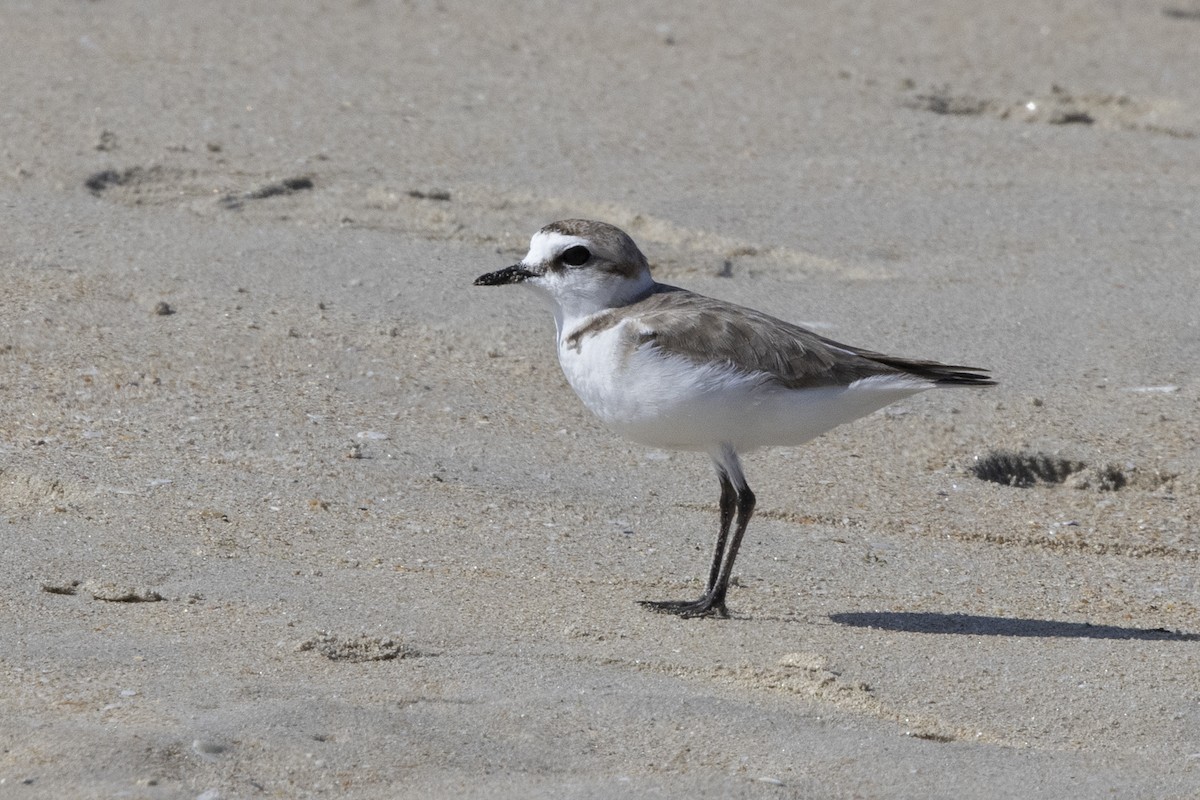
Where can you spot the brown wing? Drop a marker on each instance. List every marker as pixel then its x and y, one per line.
pixel 697 327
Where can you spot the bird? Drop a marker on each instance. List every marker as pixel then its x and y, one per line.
pixel 673 369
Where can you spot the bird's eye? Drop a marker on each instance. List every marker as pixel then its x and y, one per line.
pixel 575 256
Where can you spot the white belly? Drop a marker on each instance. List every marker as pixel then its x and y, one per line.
pixel 671 402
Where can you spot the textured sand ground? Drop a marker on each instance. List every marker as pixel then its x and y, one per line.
pixel 290 509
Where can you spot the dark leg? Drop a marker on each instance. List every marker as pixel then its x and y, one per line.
pixel 735 495
pixel 745 510
pixel 728 503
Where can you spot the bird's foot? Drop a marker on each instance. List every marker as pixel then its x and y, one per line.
pixel 706 606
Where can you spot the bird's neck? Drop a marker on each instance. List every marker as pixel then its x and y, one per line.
pixel 570 311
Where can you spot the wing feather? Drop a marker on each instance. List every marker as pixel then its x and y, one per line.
pixel 700 328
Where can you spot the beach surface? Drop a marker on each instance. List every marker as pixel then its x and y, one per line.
pixel 291 509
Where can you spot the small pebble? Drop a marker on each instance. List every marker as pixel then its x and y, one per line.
pixel 430 194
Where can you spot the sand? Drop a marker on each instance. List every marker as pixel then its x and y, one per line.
pixel 290 509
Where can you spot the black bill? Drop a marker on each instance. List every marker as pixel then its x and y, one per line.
pixel 514 274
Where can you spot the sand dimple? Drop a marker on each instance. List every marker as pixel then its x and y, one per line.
pixel 810 676
pixel 32 493
pixel 122 593
pixel 358 648
pixel 106 591
pixel 1058 106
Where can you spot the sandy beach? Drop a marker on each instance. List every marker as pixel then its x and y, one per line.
pixel 291 509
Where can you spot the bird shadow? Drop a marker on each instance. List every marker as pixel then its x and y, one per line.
pixel 975 625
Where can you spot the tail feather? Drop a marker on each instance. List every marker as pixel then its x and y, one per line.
pixel 941 374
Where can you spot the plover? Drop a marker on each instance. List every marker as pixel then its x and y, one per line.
pixel 673 369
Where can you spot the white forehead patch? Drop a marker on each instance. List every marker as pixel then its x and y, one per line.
pixel 545 246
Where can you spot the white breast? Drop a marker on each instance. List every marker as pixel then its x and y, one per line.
pixel 598 367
